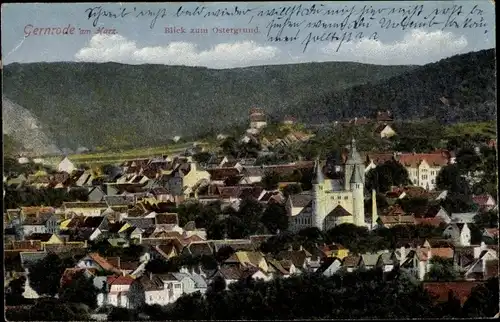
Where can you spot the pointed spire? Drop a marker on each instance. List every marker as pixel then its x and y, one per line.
pixel 319 172
pixel 374 208
pixel 354 157
pixel 356 177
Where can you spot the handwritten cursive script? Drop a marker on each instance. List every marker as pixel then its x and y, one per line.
pixel 312 23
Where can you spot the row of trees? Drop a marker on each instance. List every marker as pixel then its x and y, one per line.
pixel 251 218
pixel 31 196
pixel 392 295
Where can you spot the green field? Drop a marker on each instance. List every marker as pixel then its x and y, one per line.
pixel 117 157
pixel 488 129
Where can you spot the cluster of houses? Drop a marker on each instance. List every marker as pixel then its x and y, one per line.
pixel 126 282
pixel 133 204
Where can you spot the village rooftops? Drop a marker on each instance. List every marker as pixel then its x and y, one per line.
pixel 83 204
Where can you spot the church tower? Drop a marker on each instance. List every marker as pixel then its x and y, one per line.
pixel 318 203
pixel 358 195
pixel 353 160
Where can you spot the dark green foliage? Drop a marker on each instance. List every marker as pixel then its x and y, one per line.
pixel 30 196
pixel 14 292
pixel 275 218
pixel 122 314
pixel 483 301
pixel 163 101
pixel 45 275
pixel 270 180
pixel 386 175
pixel 80 290
pixel 309 296
pixel 442 269
pixel 467 79
pixel 49 309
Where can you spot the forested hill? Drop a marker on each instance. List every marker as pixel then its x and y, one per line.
pixel 466 82
pixel 90 104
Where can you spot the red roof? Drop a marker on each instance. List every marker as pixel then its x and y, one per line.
pixel 415 159
pixel 120 280
pixel 481 200
pixel 102 262
pixel 461 289
pixel 436 221
pixel 444 252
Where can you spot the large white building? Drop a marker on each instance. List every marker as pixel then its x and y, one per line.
pixel 334 200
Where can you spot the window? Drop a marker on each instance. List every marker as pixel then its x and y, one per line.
pixel 177 286
pixel 433 173
pixel 424 177
pixel 433 181
pixel 346 197
pixel 339 197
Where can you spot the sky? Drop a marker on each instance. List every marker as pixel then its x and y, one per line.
pixel 387 33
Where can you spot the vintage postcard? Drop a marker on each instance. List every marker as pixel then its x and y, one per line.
pixel 250 160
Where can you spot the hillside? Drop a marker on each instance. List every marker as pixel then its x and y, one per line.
pixel 22 131
pixel 91 105
pixel 468 82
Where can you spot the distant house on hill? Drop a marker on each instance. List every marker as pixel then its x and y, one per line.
pixel 258 118
pixel 66 166
pixel 384 117
pixel 385 131
pixel 289 120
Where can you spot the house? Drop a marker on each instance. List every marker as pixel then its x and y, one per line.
pixel 384 117
pixel 490 233
pixel 96 194
pixel 479 268
pixel 173 286
pixel 299 210
pixel 232 273
pixel 87 228
pixel 184 178
pixel 387 261
pixel 423 168
pixel 116 292
pixel 41 223
pixel 66 166
pixel 352 262
pixel 84 208
pixel 391 221
pixel 329 266
pixel 370 260
pixel 416 262
pixel 385 131
pixel 459 233
pixel 486 202
pixel 257 118
pixel 301 258
pixel 334 250
pixel 148 289
pixel 281 268
pixel 94 260
pixel 466 217
pixel 460 289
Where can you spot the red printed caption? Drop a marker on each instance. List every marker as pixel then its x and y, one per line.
pixel 30 30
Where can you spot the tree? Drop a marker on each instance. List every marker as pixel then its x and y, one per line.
pixel 270 180
pixel 275 218
pixel 292 189
pixel 383 177
pixel 14 292
pixel 122 314
pixel 442 269
pixel 483 300
pixel 230 146
pixel 452 178
pixel 80 290
pixel 202 157
pixel 45 275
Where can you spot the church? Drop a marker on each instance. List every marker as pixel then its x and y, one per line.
pixel 334 200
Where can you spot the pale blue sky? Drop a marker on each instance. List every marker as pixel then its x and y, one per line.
pixel 137 43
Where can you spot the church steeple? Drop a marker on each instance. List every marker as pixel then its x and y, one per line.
pixel 357 176
pixel 354 157
pixel 319 177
